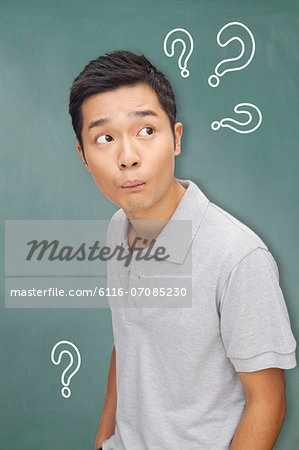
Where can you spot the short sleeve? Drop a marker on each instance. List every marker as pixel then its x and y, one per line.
pixel 254 320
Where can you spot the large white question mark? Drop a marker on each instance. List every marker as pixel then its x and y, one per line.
pixel 65 391
pixel 214 80
pixel 182 65
pixel 227 121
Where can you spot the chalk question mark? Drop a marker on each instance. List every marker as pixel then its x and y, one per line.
pixel 183 60
pixel 214 80
pixel 65 391
pixel 226 123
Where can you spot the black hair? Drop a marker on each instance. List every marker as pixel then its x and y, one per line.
pixel 111 71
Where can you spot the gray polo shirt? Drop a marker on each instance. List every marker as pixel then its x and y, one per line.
pixel 177 362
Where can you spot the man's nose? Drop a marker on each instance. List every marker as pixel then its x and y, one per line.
pixel 128 155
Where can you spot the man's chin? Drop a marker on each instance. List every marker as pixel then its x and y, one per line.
pixel 134 207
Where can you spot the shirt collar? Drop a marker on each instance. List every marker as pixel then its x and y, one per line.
pixel 179 232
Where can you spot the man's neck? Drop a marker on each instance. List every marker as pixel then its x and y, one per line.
pixel 150 225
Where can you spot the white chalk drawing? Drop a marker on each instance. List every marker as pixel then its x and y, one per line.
pixel 183 59
pixel 214 80
pixel 56 359
pixel 227 122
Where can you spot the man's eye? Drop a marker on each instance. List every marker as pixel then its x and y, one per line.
pixel 104 139
pixel 146 131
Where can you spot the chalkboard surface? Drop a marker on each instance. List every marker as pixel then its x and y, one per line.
pixel 252 174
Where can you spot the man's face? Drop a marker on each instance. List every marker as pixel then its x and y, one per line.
pixel 127 136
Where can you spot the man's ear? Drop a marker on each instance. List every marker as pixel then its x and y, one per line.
pixel 80 151
pixel 178 131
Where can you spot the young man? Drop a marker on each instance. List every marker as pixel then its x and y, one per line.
pixel 209 376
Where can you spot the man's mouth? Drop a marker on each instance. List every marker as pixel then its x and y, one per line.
pixel 133 184
pixel 136 186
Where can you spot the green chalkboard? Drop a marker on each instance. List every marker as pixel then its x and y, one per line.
pixel 252 175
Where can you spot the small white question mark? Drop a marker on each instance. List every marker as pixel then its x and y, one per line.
pixel 182 65
pixel 65 391
pixel 214 80
pixel 227 121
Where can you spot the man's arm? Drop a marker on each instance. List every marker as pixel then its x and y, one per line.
pixel 107 420
pixel 264 411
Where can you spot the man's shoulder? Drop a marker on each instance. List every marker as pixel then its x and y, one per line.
pixel 229 234
pixel 223 231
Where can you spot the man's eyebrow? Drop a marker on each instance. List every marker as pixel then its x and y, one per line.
pixel 140 113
